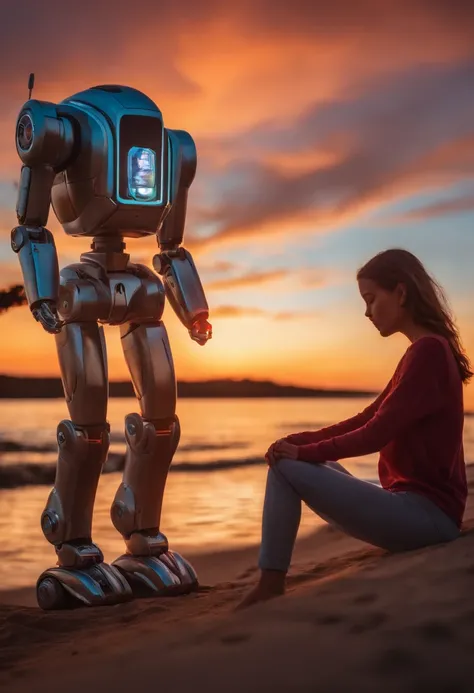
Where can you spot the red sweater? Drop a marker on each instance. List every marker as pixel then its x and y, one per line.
pixel 417 425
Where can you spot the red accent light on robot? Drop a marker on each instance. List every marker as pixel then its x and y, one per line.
pixel 202 325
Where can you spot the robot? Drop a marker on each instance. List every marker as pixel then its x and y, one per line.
pixel 110 170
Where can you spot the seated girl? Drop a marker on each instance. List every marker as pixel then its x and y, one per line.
pixel 416 424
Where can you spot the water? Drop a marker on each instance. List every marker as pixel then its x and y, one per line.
pixel 216 503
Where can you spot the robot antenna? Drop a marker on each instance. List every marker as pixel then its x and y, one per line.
pixel 31 83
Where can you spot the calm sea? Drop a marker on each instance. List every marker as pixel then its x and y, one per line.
pixel 215 489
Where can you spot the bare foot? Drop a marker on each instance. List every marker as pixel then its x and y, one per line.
pixel 257 595
pixel 271 585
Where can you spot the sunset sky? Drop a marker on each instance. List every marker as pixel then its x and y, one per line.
pixel 326 132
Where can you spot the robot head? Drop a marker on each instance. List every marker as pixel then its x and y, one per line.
pixel 116 164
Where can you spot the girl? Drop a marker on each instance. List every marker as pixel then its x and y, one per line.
pixel 416 424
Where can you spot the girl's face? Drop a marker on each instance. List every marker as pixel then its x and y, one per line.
pixel 384 308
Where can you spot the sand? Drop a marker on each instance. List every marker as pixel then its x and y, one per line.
pixel 355 618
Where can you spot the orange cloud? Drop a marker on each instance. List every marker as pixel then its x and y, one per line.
pixel 218 266
pixel 391 151
pixel 465 203
pixel 236 311
pixel 249 279
pixel 246 312
pixel 305 277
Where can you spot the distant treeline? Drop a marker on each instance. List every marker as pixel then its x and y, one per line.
pixel 14 296
pixel 12 387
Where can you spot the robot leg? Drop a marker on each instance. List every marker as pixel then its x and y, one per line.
pixel 152 439
pixel 81 577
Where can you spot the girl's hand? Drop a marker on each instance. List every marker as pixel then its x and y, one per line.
pixel 285 449
pixel 270 454
pixel 279 449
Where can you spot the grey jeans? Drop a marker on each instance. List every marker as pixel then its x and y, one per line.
pixel 395 521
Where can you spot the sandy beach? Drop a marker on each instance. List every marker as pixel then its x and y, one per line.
pixel 354 618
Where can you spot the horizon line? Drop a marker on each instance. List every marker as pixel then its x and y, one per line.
pixel 207 380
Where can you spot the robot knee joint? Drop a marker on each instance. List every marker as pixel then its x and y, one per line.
pixel 82 452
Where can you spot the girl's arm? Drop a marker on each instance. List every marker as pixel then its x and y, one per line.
pixel 420 391
pixel 307 437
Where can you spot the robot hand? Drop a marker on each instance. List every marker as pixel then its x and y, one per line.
pixel 46 313
pixel 201 331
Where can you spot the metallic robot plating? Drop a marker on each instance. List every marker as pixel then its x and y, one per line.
pixel 110 170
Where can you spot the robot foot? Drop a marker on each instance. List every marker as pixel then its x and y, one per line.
pixel 69 588
pixel 166 575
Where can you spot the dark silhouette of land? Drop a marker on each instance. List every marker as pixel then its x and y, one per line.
pixel 14 296
pixel 12 387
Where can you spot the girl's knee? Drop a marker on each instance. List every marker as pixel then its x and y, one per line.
pixel 279 469
pixel 289 469
pixel 284 465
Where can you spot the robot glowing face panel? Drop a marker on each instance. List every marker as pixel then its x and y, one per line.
pixel 142 173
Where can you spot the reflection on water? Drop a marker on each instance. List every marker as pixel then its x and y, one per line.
pixel 202 510
pixel 226 426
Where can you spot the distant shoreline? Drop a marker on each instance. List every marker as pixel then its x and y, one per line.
pixel 14 387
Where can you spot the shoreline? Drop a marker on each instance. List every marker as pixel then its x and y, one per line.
pixel 29 387
pixel 218 566
pixel 223 565
pixel 15 475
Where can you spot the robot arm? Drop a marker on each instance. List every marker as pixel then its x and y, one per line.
pixel 39 265
pixel 174 263
pixel 44 143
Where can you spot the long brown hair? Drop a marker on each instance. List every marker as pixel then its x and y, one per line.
pixel 425 298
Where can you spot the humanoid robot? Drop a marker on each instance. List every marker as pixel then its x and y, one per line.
pixel 110 170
